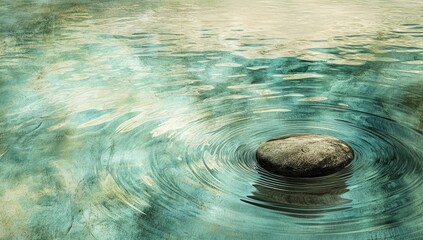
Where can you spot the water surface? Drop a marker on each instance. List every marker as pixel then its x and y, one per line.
pixel 140 119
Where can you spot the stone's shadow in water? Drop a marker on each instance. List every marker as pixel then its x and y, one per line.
pixel 301 197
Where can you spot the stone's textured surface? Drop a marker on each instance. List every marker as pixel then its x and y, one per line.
pixel 304 155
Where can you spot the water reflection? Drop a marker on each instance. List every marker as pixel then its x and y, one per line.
pixel 302 198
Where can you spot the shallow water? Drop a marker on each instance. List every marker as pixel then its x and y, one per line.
pixel 140 120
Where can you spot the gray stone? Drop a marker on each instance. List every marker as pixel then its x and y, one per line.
pixel 304 155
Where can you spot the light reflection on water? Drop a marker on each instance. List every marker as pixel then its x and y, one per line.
pixel 140 120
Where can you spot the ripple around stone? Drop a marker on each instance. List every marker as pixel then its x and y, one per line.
pixel 304 155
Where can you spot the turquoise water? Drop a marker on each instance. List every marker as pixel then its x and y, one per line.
pixel 140 119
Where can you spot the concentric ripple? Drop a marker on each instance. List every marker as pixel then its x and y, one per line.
pixel 210 165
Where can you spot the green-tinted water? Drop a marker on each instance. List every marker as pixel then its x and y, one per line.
pixel 140 119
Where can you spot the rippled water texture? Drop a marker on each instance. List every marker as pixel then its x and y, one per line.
pixel 140 119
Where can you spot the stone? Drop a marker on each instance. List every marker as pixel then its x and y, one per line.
pixel 304 155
